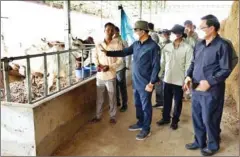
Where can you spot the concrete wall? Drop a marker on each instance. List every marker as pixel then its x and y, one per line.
pixel 39 129
pixel 59 119
pixel 17 130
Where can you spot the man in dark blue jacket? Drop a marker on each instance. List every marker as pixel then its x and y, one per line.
pixel 210 67
pixel 146 66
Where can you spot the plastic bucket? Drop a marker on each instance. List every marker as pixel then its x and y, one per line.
pixel 82 73
pixel 93 68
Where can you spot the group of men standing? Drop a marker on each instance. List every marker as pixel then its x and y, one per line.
pixel 186 63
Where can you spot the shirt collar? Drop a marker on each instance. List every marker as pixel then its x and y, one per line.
pixel 146 41
pixel 181 43
pixel 213 41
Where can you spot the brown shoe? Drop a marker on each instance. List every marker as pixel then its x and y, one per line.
pixel 95 120
pixel 113 121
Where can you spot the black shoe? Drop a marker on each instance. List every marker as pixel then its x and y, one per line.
pixel 123 109
pixel 118 104
pixel 143 135
pixel 157 106
pixel 174 126
pixel 134 127
pixel 163 122
pixel 208 152
pixel 191 146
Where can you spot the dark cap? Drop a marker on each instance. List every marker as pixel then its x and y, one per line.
pixel 165 31
pixel 188 22
pixel 141 25
pixel 178 29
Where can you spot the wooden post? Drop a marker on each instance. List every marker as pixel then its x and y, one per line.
pixel 6 80
pixel 82 65
pixel 90 55
pixel 67 37
pixel 29 88
pixel 150 10
pixel 45 75
pixel 140 10
pixel 58 72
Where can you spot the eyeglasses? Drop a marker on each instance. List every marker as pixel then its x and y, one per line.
pixel 203 27
pixel 136 29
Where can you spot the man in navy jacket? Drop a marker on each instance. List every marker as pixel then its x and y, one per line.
pixel 146 66
pixel 210 67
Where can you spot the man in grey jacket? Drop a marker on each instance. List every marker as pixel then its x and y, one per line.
pixel 192 36
pixel 165 36
pixel 175 60
pixel 153 34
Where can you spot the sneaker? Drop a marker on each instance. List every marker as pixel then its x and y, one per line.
pixel 95 120
pixel 174 126
pixel 113 121
pixel 191 146
pixel 162 122
pixel 123 109
pixel 157 106
pixel 208 152
pixel 143 135
pixel 134 127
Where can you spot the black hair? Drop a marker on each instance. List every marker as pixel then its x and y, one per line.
pixel 117 29
pixel 109 24
pixel 212 21
pixel 188 22
pixel 151 26
pixel 147 31
pixel 184 35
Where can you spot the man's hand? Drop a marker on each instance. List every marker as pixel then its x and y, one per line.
pixel 203 86
pixel 159 82
pixel 99 68
pixel 149 87
pixel 187 83
pixel 105 68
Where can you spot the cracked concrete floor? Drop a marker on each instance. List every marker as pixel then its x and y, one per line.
pixel 103 139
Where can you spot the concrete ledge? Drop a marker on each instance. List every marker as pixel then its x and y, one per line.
pixel 39 129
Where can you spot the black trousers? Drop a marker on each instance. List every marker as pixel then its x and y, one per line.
pixel 172 91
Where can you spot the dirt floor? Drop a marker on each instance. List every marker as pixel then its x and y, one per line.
pixel 103 139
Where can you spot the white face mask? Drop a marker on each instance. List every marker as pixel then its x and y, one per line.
pixel 201 34
pixel 164 39
pixel 173 37
pixel 136 37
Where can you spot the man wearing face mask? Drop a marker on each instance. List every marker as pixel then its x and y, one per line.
pixel 146 66
pixel 153 34
pixel 210 67
pixel 165 36
pixel 175 60
pixel 192 36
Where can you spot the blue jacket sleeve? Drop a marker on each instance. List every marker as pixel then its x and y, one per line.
pixel 125 52
pixel 225 63
pixel 155 65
